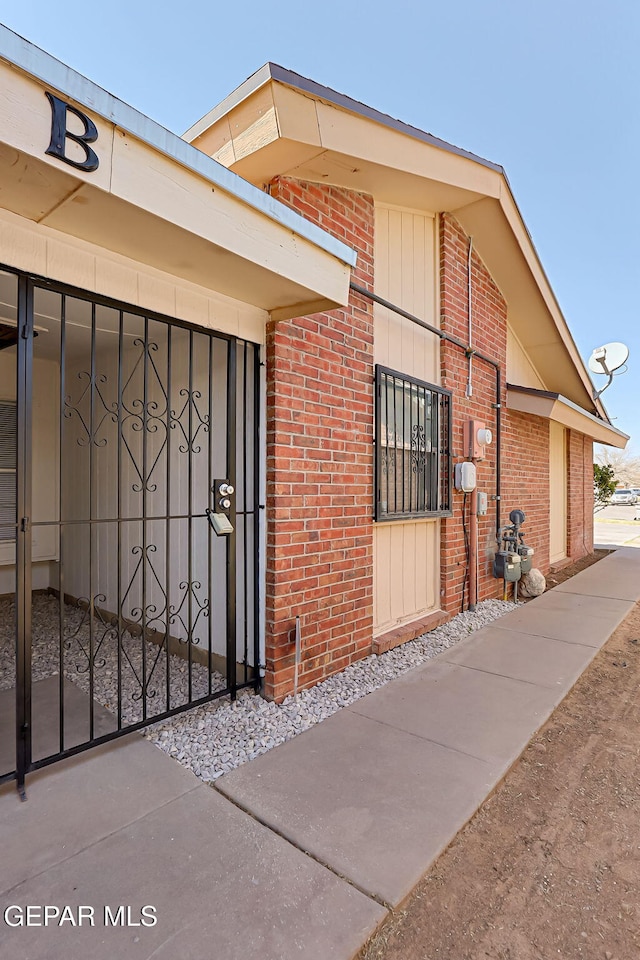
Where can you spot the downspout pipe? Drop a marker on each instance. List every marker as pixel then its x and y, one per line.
pixel 473 551
pixel 369 295
pixel 498 407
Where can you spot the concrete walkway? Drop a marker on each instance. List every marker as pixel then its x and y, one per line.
pixel 300 853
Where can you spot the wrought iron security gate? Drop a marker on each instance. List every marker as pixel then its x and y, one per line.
pixel 128 449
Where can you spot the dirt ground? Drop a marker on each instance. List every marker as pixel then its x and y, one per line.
pixel 565 573
pixel 550 865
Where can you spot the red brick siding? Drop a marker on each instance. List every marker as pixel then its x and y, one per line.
pixel 320 461
pixel 525 479
pixel 580 495
pixel 489 334
pixel 525 439
pixel 320 464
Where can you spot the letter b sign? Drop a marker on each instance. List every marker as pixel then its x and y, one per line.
pixel 60 135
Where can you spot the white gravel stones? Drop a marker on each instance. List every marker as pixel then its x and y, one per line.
pixel 46 657
pixel 217 737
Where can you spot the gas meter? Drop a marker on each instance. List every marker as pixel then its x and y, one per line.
pixel 507 566
pixel 526 557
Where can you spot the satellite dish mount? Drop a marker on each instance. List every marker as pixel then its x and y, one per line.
pixel 608 360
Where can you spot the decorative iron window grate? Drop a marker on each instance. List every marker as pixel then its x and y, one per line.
pixel 413 444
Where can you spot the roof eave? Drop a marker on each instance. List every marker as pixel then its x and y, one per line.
pixel 24 55
pixel 553 406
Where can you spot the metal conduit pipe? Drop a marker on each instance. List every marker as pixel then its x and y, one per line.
pixel 369 295
pixel 469 390
pixel 498 406
pixel 472 565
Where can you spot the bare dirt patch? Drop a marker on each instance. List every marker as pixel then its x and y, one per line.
pixel 565 573
pixel 550 866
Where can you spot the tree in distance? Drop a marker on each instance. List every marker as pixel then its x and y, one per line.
pixel 604 485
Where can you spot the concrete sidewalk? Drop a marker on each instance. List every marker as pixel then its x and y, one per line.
pixel 301 852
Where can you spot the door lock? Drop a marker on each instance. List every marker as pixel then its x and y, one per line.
pixel 218 516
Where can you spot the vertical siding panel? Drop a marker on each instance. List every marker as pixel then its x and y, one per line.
pixel 381 315
pixel 433 581
pixel 395 289
pixel 411 539
pixel 432 305
pixel 396 570
pixel 422 572
pixel 421 348
pixel 406 292
pixel 382 573
pixel 406 555
pixel 557 492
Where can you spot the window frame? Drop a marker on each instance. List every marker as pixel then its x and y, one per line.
pixel 441 398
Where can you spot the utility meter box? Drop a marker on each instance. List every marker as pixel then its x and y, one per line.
pixel 507 566
pixel 475 437
pixel 464 476
pixel 526 557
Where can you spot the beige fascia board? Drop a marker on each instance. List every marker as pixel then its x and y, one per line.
pixel 362 139
pixel 323 126
pixel 525 242
pixel 222 109
pixel 18 53
pixel 368 142
pixel 307 88
pixel 535 318
pixel 553 406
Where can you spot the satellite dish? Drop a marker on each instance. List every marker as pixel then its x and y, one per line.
pixel 608 359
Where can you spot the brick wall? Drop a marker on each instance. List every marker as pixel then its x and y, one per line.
pixel 525 439
pixel 489 312
pixel 320 411
pixel 580 495
pixel 320 464
pixel 525 479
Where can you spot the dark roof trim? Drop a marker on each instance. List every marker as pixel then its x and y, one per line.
pixel 547 394
pixel 557 397
pixel 273 71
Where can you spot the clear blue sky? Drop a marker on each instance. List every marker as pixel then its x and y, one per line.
pixel 549 89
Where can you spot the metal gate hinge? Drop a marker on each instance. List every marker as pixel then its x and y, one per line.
pixel 25 523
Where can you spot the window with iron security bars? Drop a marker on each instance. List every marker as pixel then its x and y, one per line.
pixel 413 447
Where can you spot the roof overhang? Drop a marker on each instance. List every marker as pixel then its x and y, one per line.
pixel 278 123
pixel 155 198
pixel 553 406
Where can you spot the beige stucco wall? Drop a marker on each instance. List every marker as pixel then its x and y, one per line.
pixel 406 553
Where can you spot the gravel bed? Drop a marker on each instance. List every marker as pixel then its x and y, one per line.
pixel 218 737
pixel 45 660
